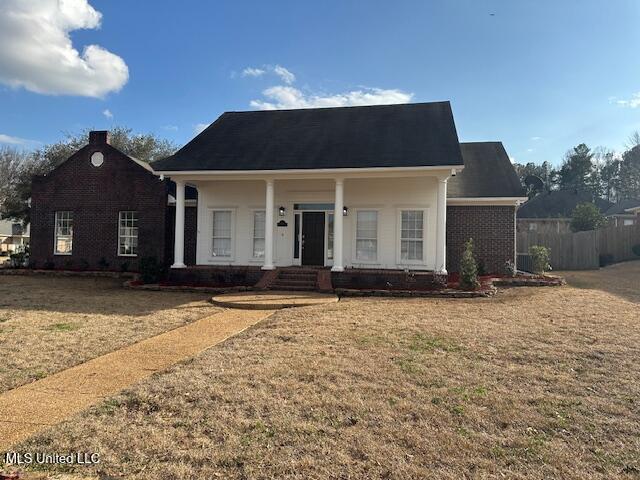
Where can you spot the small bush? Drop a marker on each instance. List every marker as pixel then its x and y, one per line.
pixel 84 265
pixel 586 216
pixel 103 264
pixel 49 265
pixel 151 270
pixel 68 264
pixel 468 268
pixel 124 267
pixel 539 259
pixel 636 249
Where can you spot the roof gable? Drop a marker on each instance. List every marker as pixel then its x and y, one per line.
pixel 406 135
pixel 488 172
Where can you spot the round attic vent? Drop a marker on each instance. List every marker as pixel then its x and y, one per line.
pixel 97 159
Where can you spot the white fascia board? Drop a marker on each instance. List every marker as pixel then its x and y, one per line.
pixel 486 201
pixel 312 173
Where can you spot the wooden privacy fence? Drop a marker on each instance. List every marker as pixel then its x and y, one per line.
pixel 581 250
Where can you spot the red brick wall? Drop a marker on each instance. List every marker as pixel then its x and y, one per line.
pixel 96 195
pixel 492 229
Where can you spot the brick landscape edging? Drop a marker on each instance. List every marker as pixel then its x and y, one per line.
pixel 65 273
pixel 155 287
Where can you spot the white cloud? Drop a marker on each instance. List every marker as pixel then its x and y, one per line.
pixel 530 150
pixel 12 140
pixel 286 76
pixel 173 128
pixel 253 72
pixel 107 113
pixel 633 102
pixel 8 139
pixel 535 139
pixel 199 127
pixel 36 51
pixel 286 97
pixel 512 159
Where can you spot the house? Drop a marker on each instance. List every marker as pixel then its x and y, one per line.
pixel 13 237
pixel 551 211
pixel 624 213
pixel 367 192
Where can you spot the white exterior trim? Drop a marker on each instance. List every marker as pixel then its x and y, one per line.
pixel 317 173
pixel 489 201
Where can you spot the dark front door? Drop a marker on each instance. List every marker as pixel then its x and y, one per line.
pixel 313 238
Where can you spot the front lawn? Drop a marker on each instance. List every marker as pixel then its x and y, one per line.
pixel 48 324
pixel 534 383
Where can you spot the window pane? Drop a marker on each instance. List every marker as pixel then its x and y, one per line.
pixel 330 236
pixel 366 235
pixel 128 233
pixel 63 232
pixel 222 233
pixel 411 234
pixel 258 234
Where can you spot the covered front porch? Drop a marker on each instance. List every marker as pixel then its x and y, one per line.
pixel 389 219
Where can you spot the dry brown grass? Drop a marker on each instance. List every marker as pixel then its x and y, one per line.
pixel 49 324
pixel 534 383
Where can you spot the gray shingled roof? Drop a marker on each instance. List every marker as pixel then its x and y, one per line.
pixel 488 172
pixel 559 204
pixel 621 207
pixel 407 135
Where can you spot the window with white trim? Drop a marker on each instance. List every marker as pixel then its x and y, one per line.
pixel 258 233
pixel 128 234
pixel 412 235
pixel 63 241
pixel 222 234
pixel 367 235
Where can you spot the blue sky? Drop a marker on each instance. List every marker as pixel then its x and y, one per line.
pixel 541 76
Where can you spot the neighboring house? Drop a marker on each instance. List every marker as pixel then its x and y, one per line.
pixel 13 236
pixel 552 211
pixel 360 190
pixel 624 213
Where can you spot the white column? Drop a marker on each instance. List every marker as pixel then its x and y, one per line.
pixel 338 265
pixel 178 248
pixel 268 226
pixel 441 227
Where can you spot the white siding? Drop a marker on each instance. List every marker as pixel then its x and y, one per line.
pixel 388 196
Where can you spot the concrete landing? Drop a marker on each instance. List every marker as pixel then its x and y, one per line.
pixel 31 408
pixel 272 300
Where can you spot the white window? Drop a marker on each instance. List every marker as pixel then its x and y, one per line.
pixel 258 234
pixel 628 221
pixel 533 226
pixel 63 233
pixel 128 234
pixel 222 238
pixel 330 236
pixel 412 235
pixel 367 235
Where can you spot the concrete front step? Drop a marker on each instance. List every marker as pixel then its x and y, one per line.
pixel 292 288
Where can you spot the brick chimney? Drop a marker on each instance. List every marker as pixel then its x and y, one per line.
pixel 98 137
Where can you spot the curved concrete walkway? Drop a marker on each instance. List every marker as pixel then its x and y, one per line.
pixel 272 300
pixel 31 408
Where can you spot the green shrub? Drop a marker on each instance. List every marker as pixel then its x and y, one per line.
pixel 124 267
pixel 49 265
pixel 636 249
pixel 539 258
pixel 586 216
pixel 84 265
pixel 151 270
pixel 68 264
pixel 468 268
